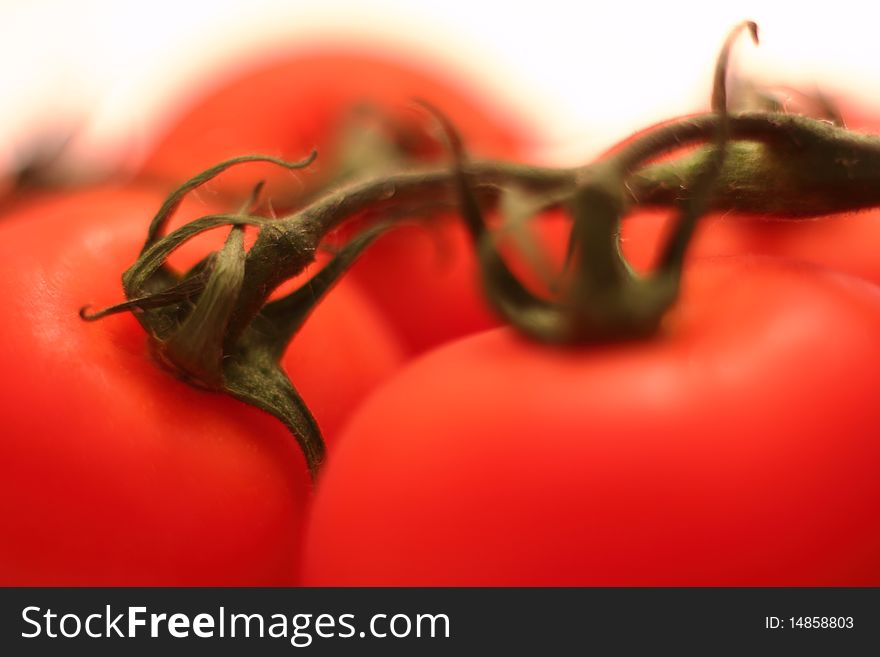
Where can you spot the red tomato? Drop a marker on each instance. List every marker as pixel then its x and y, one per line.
pixel 422 278
pixel 738 447
pixel 300 101
pixel 113 471
pixel 844 241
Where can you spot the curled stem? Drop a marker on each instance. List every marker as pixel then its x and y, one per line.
pixel 697 202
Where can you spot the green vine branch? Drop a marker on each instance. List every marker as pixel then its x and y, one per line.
pixel 216 327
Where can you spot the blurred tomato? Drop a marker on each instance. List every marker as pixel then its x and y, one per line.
pixel 293 104
pixel 843 241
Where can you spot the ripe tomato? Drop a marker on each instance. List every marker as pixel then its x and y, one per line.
pixel 113 471
pixel 844 241
pixel 738 447
pixel 421 277
pixel 301 101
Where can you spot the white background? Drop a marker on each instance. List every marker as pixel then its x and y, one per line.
pixel 584 74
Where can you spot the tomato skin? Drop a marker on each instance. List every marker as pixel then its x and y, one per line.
pixel 423 279
pixel 113 471
pixel 844 242
pixel 737 448
pixel 300 101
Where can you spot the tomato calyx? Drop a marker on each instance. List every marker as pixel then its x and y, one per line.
pixel 187 316
pixel 603 298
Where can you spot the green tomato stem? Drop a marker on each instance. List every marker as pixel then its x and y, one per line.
pixel 215 326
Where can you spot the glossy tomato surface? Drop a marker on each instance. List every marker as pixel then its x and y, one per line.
pixel 843 241
pixel 423 277
pixel 738 447
pixel 113 471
